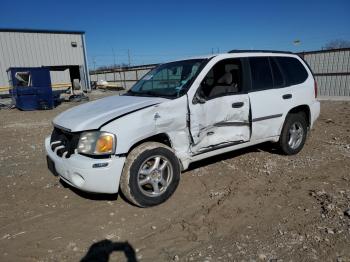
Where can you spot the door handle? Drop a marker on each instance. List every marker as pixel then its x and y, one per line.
pixel 237 105
pixel 287 96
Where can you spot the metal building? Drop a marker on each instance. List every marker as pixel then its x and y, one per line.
pixel 331 69
pixel 36 48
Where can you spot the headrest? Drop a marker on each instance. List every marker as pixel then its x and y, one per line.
pixel 226 79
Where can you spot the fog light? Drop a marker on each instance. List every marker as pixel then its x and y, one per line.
pixel 78 180
pixel 97 165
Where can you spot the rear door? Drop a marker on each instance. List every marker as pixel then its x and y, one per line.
pixel 269 97
pixel 219 113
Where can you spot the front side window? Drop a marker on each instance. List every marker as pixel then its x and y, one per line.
pixel 224 78
pixel 260 73
pixel 168 80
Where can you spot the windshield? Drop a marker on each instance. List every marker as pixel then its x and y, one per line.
pixel 168 80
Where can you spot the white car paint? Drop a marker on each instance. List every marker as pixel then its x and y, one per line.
pixel 94 114
pixel 133 119
pixel 78 172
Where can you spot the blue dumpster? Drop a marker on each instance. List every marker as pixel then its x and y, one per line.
pixel 30 88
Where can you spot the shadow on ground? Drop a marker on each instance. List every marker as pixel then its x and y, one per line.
pixel 267 147
pixel 100 251
pixel 90 196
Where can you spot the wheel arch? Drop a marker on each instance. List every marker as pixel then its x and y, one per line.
pixel 162 138
pixel 302 109
pixel 298 109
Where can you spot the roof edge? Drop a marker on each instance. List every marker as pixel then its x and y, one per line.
pixel 258 51
pixel 47 31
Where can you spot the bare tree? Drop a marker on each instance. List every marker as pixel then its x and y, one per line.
pixel 336 44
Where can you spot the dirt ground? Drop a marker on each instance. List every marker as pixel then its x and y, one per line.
pixel 252 204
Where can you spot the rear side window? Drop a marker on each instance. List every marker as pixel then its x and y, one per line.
pixel 293 70
pixel 261 73
pixel 278 79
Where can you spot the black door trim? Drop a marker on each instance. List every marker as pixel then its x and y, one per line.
pixel 219 146
pixel 220 124
pixel 266 117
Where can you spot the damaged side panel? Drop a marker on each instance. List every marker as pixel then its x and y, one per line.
pixel 220 121
pixel 168 117
pixel 132 128
pixel 172 120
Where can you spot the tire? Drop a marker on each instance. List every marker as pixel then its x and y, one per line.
pixel 293 135
pixel 150 175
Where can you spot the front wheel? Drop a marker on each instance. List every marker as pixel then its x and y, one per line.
pixel 293 135
pixel 150 175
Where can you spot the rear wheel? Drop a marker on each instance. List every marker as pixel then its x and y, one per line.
pixel 150 175
pixel 293 135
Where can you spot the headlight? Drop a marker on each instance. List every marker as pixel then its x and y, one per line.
pixel 97 143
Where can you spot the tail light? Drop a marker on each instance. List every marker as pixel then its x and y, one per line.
pixel 315 88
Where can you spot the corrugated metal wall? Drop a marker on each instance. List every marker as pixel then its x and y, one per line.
pixel 31 49
pixel 332 71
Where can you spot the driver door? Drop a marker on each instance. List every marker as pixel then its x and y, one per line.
pixel 219 112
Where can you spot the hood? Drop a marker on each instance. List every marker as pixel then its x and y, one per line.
pixel 94 114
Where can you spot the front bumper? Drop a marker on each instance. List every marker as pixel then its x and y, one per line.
pixel 78 171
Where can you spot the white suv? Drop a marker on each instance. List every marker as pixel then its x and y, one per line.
pixel 181 112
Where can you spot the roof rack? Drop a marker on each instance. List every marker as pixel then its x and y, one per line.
pixel 259 51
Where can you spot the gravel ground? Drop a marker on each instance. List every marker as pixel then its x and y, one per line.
pixel 251 204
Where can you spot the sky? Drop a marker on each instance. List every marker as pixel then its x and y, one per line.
pixel 160 31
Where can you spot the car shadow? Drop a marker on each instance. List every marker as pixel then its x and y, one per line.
pixel 88 195
pixel 267 147
pixel 100 251
pixel 96 196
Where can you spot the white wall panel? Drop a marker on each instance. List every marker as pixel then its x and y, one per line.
pixel 33 49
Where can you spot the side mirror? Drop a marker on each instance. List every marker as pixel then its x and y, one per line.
pixel 198 99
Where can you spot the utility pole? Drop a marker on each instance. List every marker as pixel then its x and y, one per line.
pixel 94 62
pixel 129 57
pixel 114 65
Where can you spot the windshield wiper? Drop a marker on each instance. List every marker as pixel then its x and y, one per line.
pixel 153 93
pixel 149 93
pixel 130 92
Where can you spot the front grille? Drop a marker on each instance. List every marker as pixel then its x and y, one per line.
pixel 64 143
